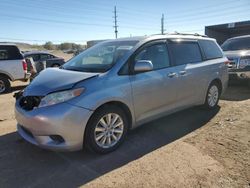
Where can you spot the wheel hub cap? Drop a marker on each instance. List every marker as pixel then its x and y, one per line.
pixel 213 96
pixel 109 130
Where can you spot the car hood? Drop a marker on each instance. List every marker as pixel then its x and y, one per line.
pixel 237 53
pixel 53 79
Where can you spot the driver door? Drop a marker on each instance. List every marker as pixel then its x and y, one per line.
pixel 154 91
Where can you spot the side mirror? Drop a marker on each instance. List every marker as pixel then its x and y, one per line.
pixel 143 66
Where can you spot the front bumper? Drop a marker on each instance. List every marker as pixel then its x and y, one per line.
pixel 238 74
pixel 40 126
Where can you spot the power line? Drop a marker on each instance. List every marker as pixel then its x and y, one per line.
pixel 33 40
pixel 54 21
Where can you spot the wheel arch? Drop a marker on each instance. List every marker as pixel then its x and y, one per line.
pixel 218 82
pixel 6 76
pixel 120 105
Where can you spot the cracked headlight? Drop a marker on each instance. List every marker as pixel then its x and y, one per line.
pixel 59 97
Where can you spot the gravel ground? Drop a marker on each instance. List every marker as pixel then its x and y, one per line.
pixel 191 148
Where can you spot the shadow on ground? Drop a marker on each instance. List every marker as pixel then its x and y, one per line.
pixel 239 91
pixel 24 165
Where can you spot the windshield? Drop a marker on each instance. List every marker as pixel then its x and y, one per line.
pixel 236 44
pixel 101 57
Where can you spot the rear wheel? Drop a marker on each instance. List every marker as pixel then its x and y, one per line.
pixel 4 84
pixel 106 129
pixel 213 95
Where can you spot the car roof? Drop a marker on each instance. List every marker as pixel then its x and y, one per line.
pixel 164 36
pixel 36 52
pixel 240 37
pixel 7 44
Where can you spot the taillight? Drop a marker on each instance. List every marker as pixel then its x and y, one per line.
pixel 24 65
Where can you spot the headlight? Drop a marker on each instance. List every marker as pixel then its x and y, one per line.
pixel 58 97
pixel 244 61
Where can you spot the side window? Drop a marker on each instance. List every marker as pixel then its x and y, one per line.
pixel 211 49
pixel 36 57
pixel 44 57
pixel 157 54
pixel 185 52
pixel 3 54
pixel 51 56
pixel 10 53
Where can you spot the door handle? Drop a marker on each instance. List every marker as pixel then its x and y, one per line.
pixel 182 72
pixel 171 74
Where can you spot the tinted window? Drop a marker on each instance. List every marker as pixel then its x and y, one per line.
pixel 185 52
pixel 157 54
pixel 10 53
pixel 36 57
pixel 44 57
pixel 3 54
pixel 211 49
pixel 236 44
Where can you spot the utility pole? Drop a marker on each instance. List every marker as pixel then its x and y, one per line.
pixel 115 26
pixel 162 24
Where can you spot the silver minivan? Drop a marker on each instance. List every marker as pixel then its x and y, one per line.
pixel 117 85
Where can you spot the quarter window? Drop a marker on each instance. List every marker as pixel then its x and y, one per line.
pixel 9 53
pixel 211 49
pixel 185 52
pixel 157 54
pixel 3 54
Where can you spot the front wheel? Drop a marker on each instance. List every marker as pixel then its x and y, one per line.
pixel 212 97
pixel 106 129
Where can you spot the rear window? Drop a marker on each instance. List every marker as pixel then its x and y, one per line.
pixel 236 44
pixel 185 52
pixel 9 53
pixel 210 49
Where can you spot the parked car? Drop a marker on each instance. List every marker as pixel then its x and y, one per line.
pixel 117 85
pixel 78 51
pixel 12 66
pixel 237 50
pixel 40 57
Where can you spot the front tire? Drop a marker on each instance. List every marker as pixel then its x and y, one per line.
pixel 213 96
pixel 106 129
pixel 4 85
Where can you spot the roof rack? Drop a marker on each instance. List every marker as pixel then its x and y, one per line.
pixel 195 34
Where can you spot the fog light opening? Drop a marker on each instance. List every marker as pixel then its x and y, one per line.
pixel 243 75
pixel 57 138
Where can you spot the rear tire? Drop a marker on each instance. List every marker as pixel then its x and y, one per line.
pixel 4 84
pixel 106 129
pixel 213 96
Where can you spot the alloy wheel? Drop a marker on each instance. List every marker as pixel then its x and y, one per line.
pixel 109 130
pixel 213 96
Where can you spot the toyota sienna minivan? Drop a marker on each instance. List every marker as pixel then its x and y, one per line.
pixel 117 85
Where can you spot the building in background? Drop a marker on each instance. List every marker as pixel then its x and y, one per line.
pixel 224 31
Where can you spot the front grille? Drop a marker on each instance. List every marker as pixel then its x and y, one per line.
pixel 29 102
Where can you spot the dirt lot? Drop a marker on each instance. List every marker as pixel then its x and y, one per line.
pixel 192 148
